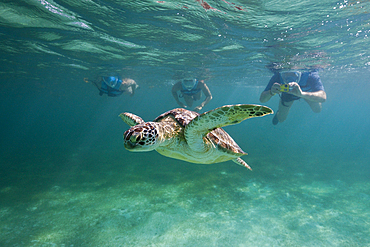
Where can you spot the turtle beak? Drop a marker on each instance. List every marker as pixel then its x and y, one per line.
pixel 129 146
pixel 130 139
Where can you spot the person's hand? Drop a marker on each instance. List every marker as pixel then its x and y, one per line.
pixel 198 108
pixel 275 88
pixel 296 89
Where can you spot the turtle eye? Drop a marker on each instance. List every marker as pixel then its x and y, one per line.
pixel 138 138
pixel 135 137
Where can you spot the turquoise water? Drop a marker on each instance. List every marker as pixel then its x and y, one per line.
pixel 66 179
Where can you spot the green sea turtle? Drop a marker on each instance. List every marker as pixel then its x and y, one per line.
pixel 190 136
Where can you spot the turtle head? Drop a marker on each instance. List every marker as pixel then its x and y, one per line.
pixel 141 138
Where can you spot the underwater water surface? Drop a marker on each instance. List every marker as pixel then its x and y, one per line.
pixel 66 179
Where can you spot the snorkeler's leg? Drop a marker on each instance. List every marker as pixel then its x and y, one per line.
pixel 315 106
pixel 283 110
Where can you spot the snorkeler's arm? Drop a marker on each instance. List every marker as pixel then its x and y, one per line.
pixel 318 96
pixel 206 92
pixel 132 90
pixel 133 86
pixel 266 95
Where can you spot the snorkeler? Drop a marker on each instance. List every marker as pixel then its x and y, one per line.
pixel 191 90
pixel 293 85
pixel 114 86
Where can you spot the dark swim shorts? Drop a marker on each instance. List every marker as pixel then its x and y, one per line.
pixel 285 97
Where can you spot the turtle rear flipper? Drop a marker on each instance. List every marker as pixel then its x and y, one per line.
pixel 241 162
pixel 131 119
pixel 217 118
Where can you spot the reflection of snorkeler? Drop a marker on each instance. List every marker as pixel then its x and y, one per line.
pixel 114 86
pixel 191 90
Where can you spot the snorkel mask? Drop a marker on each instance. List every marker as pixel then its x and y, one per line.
pixel 188 83
pixel 111 81
pixel 290 76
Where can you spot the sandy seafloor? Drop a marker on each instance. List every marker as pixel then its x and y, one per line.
pixel 159 202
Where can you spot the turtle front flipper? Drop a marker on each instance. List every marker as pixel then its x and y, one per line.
pixel 131 119
pixel 217 118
